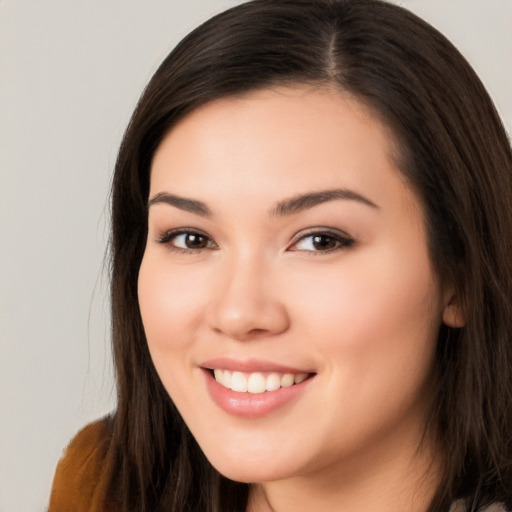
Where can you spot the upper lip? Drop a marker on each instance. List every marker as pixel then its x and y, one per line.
pixel 250 366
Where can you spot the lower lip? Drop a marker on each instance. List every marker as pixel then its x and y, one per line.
pixel 252 405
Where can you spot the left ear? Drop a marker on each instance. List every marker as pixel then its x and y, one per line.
pixel 453 315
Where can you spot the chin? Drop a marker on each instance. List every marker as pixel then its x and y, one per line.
pixel 249 475
pixel 241 469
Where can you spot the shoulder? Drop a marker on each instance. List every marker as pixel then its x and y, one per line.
pixel 82 476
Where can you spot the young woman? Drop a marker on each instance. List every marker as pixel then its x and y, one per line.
pixel 311 276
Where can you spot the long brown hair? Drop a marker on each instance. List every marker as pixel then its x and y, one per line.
pixel 452 149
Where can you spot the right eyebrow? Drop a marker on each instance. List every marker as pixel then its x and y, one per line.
pixel 183 203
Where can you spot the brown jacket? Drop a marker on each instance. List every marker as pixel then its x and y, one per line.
pixel 82 476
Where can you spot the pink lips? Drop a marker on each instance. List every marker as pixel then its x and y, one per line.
pixel 249 365
pixel 249 405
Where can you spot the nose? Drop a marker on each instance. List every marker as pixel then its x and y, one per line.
pixel 248 303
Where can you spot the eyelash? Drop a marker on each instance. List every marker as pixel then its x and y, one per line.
pixel 341 240
pixel 169 236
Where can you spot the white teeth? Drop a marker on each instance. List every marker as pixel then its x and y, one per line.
pixel 273 382
pixel 287 380
pixel 219 374
pixel 300 377
pixel 256 382
pixel 239 382
pixel 226 379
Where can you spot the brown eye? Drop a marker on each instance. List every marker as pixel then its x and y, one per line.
pixel 195 241
pixel 322 242
pixel 185 240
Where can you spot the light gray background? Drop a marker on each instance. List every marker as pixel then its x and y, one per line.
pixel 70 74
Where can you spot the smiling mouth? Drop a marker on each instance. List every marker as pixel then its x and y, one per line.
pixel 257 382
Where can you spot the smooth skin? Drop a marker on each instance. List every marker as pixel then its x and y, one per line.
pixel 341 286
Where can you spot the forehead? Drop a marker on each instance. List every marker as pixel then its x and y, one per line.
pixel 286 140
pixel 310 107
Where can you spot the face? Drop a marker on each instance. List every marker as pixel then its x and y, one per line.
pixel 287 296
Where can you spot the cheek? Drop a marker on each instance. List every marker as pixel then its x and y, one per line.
pixel 375 331
pixel 170 303
pixel 375 315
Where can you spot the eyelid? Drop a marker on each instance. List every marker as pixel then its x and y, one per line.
pixel 167 236
pixel 343 239
pixel 340 236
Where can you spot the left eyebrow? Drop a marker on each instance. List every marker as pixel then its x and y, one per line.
pixel 305 201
